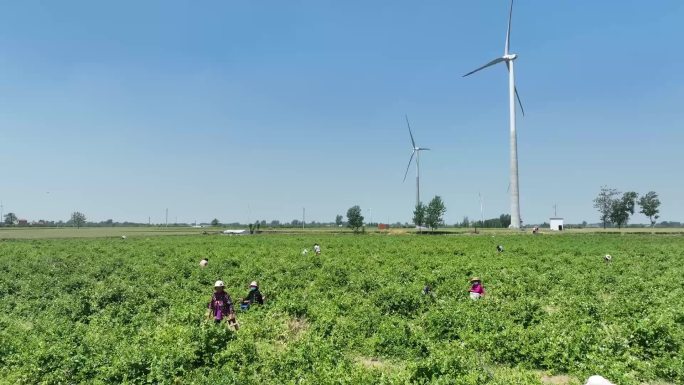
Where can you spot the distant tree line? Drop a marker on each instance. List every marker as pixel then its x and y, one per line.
pixel 503 221
pixel 615 209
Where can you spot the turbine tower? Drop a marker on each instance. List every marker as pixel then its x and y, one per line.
pixel 416 152
pixel 509 58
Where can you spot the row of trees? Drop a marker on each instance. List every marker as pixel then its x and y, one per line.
pixel 503 221
pixel 431 216
pixel 78 219
pixel 616 209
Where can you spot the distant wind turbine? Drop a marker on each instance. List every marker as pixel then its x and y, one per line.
pixel 508 58
pixel 416 152
pixel 481 209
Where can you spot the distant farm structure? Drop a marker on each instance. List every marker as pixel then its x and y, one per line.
pixel 556 224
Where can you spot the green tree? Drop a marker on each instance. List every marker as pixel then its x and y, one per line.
pixel 10 219
pixel 215 222
pixel 434 214
pixel 354 218
pixel 505 220
pixel 650 204
pixel 338 220
pixel 604 203
pixel 466 222
pixel 419 215
pixel 622 208
pixel 78 219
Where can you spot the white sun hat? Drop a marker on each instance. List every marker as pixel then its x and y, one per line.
pixel 598 380
pixel 219 284
pixel 253 284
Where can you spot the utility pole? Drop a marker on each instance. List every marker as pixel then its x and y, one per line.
pixel 555 213
pixel 303 217
pixel 149 221
pixel 2 213
pixel 166 218
pixel 371 216
pixel 249 214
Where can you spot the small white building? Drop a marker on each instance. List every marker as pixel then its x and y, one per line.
pixel 556 224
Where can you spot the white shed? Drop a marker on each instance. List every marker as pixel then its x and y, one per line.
pixel 556 224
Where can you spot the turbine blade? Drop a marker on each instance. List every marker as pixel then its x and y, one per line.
pixel 491 63
pixel 409 165
pixel 519 102
pixel 508 31
pixel 413 142
pixel 517 96
pixel 424 148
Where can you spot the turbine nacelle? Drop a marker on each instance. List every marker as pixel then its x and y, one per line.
pixel 510 57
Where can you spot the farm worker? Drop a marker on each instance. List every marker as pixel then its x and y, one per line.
pixel 499 249
pixel 598 380
pixel 317 249
pixel 204 262
pixel 476 288
pixel 254 296
pixel 428 294
pixel 221 306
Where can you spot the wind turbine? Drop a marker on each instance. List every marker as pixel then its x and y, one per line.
pixel 416 152
pixel 508 58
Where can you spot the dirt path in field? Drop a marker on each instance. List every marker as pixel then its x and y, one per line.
pixel 558 380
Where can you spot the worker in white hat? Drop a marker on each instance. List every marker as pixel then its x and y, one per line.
pixel 221 305
pixel 598 380
pixel 253 296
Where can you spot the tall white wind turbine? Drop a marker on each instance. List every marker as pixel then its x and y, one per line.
pixel 416 152
pixel 508 58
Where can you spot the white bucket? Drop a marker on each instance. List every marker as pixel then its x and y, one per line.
pixel 474 295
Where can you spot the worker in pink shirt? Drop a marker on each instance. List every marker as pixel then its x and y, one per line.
pixel 221 306
pixel 476 288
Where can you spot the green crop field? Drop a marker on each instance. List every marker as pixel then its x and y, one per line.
pixel 112 310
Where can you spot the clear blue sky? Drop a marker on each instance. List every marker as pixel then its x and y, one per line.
pixel 252 110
